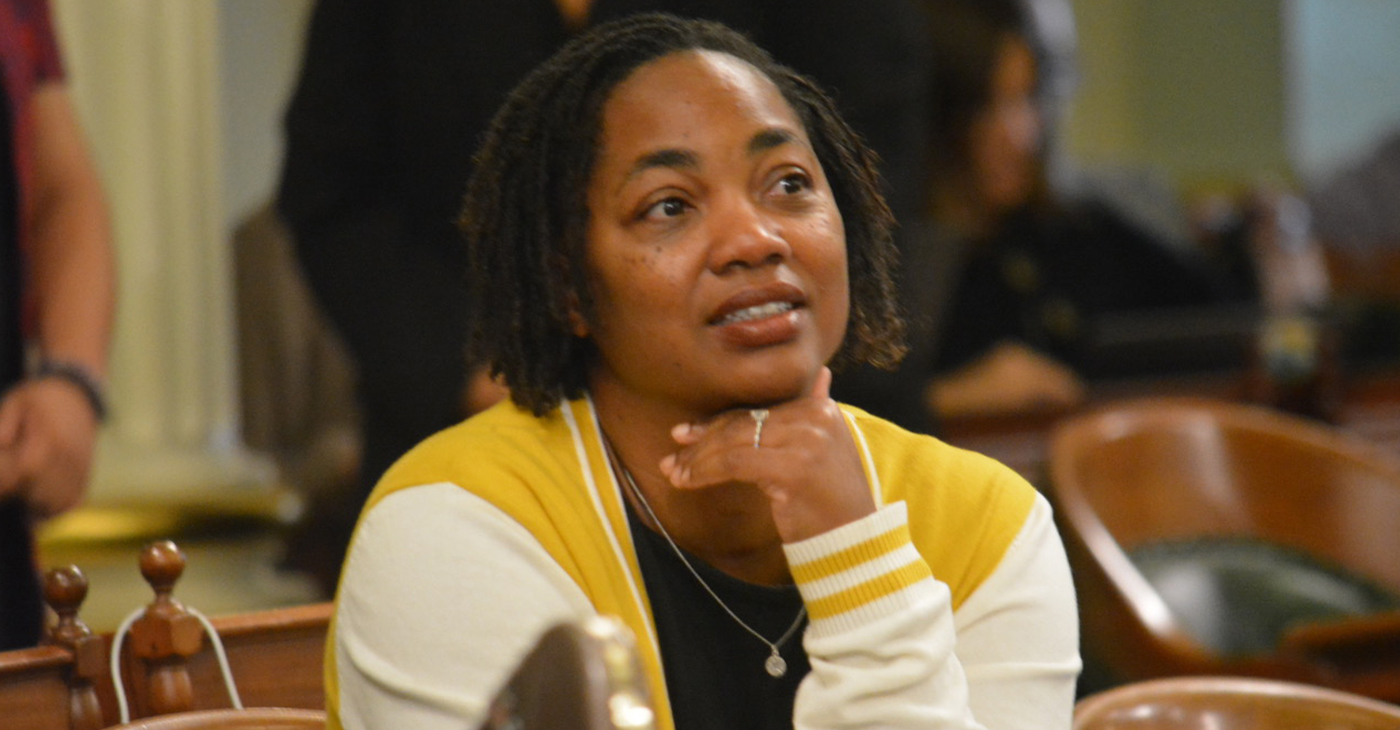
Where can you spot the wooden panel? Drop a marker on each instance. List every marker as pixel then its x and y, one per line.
pixel 276 658
pixel 34 688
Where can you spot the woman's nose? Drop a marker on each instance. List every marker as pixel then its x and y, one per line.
pixel 745 236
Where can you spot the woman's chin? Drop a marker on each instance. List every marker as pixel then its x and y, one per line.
pixel 776 389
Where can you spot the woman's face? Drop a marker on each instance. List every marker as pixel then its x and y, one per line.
pixel 1005 137
pixel 716 253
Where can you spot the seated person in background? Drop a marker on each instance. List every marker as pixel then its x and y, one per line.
pixel 672 237
pixel 1009 279
pixel 1356 220
pixel 1355 205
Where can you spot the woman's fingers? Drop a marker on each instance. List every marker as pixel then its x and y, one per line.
pixel 821 389
pixel 712 446
pixel 800 453
pixel 739 427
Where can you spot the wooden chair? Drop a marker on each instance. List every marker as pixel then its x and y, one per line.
pixel 1189 478
pixel 275 657
pixel 1230 703
pixel 581 675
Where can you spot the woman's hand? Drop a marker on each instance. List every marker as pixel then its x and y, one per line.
pixel 803 458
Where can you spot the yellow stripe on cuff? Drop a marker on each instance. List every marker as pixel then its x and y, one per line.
pixel 869 591
pixel 862 552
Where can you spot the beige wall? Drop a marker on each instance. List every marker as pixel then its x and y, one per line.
pixel 1227 92
pixel 1192 88
pixel 260 54
pixel 179 100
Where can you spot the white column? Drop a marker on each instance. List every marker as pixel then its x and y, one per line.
pixel 144 76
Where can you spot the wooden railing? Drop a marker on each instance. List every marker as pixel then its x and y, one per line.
pixel 167 662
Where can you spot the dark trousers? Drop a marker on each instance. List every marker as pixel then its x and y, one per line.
pixel 21 603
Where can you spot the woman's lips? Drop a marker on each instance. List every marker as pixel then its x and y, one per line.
pixel 765 331
pixel 759 311
pixel 756 302
pixel 761 316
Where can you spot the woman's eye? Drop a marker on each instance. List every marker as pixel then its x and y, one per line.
pixel 668 208
pixel 794 183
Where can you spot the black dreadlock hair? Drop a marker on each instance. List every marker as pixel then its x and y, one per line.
pixel 526 213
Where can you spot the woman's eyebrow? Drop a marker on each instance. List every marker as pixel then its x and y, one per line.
pixel 672 158
pixel 675 158
pixel 769 138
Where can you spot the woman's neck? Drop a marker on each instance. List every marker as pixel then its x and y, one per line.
pixel 728 526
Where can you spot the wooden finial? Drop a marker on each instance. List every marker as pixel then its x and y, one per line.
pixel 166 635
pixel 65 589
pixel 162 564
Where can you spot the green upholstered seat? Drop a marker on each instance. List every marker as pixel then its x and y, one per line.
pixel 1239 595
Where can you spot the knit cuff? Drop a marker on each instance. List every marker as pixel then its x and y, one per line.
pixel 858 572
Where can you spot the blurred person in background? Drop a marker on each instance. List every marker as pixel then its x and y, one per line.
pixel 1355 216
pixel 56 301
pixel 1008 277
pixel 1355 205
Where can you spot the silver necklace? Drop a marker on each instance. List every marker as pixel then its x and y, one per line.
pixel 775 665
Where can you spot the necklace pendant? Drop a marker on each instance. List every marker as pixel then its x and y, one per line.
pixel 775 665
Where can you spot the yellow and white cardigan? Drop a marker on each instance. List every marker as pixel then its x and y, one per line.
pixel 950 607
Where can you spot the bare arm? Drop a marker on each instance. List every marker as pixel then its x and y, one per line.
pixel 1009 378
pixel 47 425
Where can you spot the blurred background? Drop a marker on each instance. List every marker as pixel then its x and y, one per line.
pixel 225 418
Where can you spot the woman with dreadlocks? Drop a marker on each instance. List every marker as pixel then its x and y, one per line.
pixel 672 237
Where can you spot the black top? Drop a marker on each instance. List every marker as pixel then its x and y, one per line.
pixel 715 672
pixel 1054 281
pixel 1079 282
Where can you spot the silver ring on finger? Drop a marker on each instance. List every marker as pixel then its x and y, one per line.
pixel 760 417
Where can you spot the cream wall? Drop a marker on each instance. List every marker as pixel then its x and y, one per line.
pixel 259 55
pixel 1191 88
pixel 179 100
pixel 1219 93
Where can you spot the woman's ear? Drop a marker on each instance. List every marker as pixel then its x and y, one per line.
pixel 578 325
